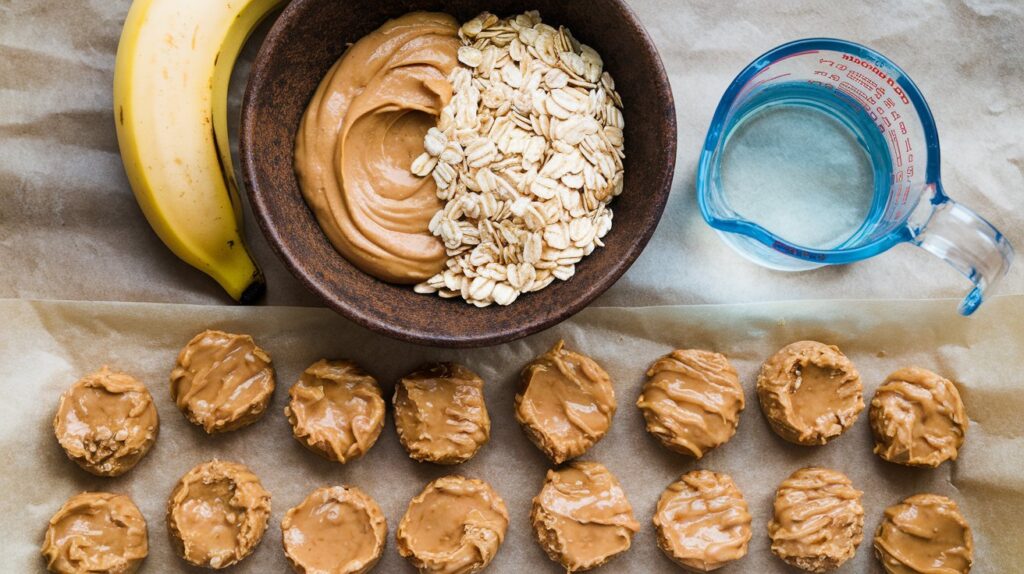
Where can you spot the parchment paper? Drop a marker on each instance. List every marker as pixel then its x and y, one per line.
pixel 70 228
pixel 45 346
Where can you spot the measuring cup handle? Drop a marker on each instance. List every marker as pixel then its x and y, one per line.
pixel 966 241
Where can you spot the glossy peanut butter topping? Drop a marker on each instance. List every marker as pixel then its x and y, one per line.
pixel 818 520
pixel 361 132
pixel 810 392
pixel 917 418
pixel 565 403
pixel 925 534
pixel 702 521
pixel 106 422
pixel 217 514
pixel 96 533
pixel 222 381
pixel 455 526
pixel 336 410
pixel 335 530
pixel 692 401
pixel 440 413
pixel 581 516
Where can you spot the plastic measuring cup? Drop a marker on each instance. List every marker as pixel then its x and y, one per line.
pixel 884 110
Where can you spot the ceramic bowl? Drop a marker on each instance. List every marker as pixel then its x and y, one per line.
pixel 306 40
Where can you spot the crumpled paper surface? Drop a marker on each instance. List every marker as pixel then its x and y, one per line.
pixel 46 346
pixel 70 228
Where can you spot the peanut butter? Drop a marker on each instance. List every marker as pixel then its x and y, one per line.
pixel 810 392
pixel 702 521
pixel 924 534
pixel 96 533
pixel 692 401
pixel 917 418
pixel 336 410
pixel 217 514
pixel 361 132
pixel 222 381
pixel 455 526
pixel 440 413
pixel 818 521
pixel 106 422
pixel 335 530
pixel 581 516
pixel 565 403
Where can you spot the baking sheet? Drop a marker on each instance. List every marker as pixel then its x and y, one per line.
pixel 45 346
pixel 70 228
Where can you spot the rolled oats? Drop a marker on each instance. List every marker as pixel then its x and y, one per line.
pixel 526 156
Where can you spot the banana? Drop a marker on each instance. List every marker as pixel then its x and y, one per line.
pixel 171 76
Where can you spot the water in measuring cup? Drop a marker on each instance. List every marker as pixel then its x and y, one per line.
pixel 795 165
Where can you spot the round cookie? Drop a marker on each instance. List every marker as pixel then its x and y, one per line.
pixel 925 533
pixel 810 392
pixel 336 410
pixel 455 526
pixel 217 514
pixel 702 521
pixel 581 516
pixel 98 533
pixel 222 381
pixel 917 418
pixel 440 414
pixel 818 521
pixel 692 401
pixel 106 422
pixel 335 530
pixel 565 403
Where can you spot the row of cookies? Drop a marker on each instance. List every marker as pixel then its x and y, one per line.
pixel 218 512
pixel 810 393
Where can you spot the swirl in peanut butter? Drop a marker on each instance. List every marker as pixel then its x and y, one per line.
pixel 818 521
pixel 362 130
pixel 917 418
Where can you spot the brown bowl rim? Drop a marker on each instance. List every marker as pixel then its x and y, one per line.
pixel 259 202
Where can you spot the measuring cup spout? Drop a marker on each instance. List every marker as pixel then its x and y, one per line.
pixel 966 241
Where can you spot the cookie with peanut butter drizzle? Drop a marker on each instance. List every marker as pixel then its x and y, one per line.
pixel 692 401
pixel 440 414
pixel 810 392
pixel 581 516
pixel 818 521
pixel 96 533
pixel 335 530
pixel 917 418
pixel 565 403
pixel 106 422
pixel 336 410
pixel 217 514
pixel 702 521
pixel 924 534
pixel 222 381
pixel 454 526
